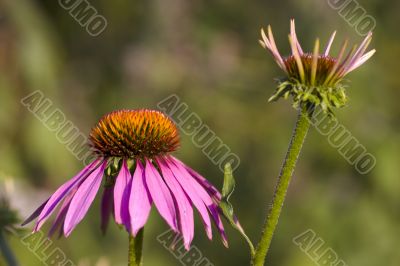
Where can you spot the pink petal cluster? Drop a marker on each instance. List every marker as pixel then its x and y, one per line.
pixel 343 65
pixel 165 181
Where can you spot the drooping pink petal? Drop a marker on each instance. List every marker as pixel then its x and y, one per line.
pixel 62 212
pixel 59 220
pixel 161 195
pixel 60 193
pixel 193 194
pixel 185 177
pixel 139 200
pixel 329 44
pixel 208 186
pixel 275 49
pixel 202 180
pixel 35 214
pixel 215 213
pixel 184 206
pixel 83 199
pixel 106 208
pixel 269 43
pixel 122 190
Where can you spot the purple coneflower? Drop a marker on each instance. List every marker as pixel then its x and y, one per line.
pixel 315 78
pixel 134 163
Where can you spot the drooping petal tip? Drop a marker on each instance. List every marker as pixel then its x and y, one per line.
pixel 83 198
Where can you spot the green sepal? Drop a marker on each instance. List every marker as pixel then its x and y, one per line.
pixel 327 97
pixel 111 171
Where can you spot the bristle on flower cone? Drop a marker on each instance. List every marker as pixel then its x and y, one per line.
pixel 134 134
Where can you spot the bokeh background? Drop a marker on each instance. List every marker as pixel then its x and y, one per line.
pixel 207 53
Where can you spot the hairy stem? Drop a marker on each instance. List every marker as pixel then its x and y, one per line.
pixel 135 249
pixel 299 134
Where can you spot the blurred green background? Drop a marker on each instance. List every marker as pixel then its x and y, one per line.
pixel 207 53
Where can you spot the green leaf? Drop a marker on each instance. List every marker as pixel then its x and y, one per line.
pixel 227 208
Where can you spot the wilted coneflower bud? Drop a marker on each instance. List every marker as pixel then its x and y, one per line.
pixel 134 162
pixel 315 79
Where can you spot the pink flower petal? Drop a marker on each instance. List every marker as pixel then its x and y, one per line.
pixel 294 36
pixel 62 191
pixel 215 212
pixel 269 43
pixel 337 63
pixel 194 190
pixel 139 200
pixel 202 180
pixel 62 212
pixel 83 199
pixel 328 46
pixel 297 57
pixel 363 46
pixel 361 60
pixel 161 195
pixel 122 189
pixel 358 54
pixel 185 177
pixel 209 187
pixel 106 207
pixel 345 64
pixel 184 206
pixel 35 214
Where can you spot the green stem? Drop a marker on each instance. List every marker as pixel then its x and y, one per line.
pixel 299 134
pixel 6 251
pixel 135 249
